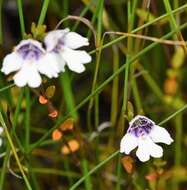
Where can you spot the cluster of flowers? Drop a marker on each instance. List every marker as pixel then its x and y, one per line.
pixel 29 59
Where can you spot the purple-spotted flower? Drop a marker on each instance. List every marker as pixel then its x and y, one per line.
pixel 28 60
pixel 1 131
pixel 63 44
pixel 144 134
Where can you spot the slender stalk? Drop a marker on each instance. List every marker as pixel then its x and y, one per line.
pixel 4 168
pixel 68 94
pixel 21 18
pixel 14 152
pixel 88 184
pixel 43 12
pixel 7 87
pixel 115 88
pixel 27 119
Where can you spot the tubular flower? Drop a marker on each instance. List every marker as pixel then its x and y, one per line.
pixel 28 60
pixel 63 45
pixel 144 134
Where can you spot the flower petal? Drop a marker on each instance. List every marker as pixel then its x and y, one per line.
pixel 142 152
pixel 147 148
pixel 73 40
pixel 12 62
pixel 160 134
pixel 75 59
pixel 28 74
pixel 50 65
pixel 128 143
pixel 52 38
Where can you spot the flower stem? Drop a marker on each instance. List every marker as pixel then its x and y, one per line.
pixel 43 12
pixel 21 18
pixel 14 152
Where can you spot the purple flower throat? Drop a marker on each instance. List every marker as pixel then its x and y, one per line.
pixel 30 51
pixel 141 127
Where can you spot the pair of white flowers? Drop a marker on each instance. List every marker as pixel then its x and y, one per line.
pixel 29 59
pixel 144 134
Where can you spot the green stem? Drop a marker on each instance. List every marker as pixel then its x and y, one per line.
pixel 7 87
pixel 178 140
pixel 68 94
pixel 21 18
pixel 14 152
pixel 4 168
pixel 43 12
pixel 27 119
pixel 88 184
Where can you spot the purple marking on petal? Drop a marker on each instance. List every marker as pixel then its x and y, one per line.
pixel 141 127
pixel 30 51
pixel 59 46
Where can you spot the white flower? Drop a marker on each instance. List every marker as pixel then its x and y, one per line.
pixel 1 140
pixel 144 134
pixel 63 45
pixel 29 59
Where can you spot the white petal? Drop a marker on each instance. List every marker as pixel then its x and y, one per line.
pixel 147 148
pixel 1 141
pixel 12 62
pixel 73 40
pixel 159 134
pixel 128 143
pixel 75 59
pixel 142 152
pixel 28 74
pixel 1 130
pixel 50 65
pixel 52 38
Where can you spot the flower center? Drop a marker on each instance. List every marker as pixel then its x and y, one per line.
pixel 30 51
pixel 141 127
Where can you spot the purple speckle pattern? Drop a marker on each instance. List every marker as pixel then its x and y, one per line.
pixel 141 127
pixel 30 52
